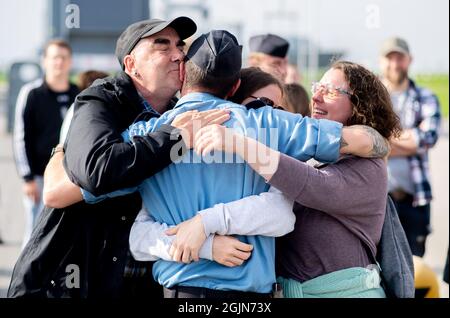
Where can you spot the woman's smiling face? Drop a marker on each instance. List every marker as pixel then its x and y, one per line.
pixel 329 100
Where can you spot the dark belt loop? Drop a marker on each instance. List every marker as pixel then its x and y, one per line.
pixel 170 293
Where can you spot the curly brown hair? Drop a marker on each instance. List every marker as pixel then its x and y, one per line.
pixel 372 105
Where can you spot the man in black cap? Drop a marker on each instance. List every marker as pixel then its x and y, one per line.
pixel 210 75
pixel 268 52
pixel 95 238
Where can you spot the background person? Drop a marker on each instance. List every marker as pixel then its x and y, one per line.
pixel 260 87
pixel 296 99
pixel 269 52
pixel 408 165
pixel 40 110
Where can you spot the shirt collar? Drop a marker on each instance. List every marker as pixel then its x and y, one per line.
pixel 146 105
pixel 413 89
pixel 195 97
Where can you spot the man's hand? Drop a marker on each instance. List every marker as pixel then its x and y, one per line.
pixel 229 251
pixel 192 121
pixel 31 190
pixel 190 236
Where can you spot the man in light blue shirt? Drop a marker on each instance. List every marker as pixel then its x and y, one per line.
pixel 176 193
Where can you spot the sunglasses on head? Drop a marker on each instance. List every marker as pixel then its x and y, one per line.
pixel 265 100
pixel 261 102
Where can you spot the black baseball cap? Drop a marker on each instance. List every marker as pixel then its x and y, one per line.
pixel 217 52
pixel 184 26
pixel 270 44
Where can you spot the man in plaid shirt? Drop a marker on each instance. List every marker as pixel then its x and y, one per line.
pixel 408 165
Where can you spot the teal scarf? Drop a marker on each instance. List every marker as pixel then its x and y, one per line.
pixel 356 282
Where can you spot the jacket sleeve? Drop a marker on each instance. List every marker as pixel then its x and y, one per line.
pixel 269 214
pixel 148 241
pixel 23 134
pixel 338 189
pixel 300 137
pixel 97 158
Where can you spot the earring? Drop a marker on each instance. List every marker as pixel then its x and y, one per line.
pixel 135 73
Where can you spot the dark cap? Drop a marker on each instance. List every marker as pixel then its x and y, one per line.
pixel 269 44
pixel 217 52
pixel 394 45
pixel 184 26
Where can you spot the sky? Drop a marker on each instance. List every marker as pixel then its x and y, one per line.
pixel 356 27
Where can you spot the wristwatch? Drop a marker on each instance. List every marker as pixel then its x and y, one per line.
pixel 56 149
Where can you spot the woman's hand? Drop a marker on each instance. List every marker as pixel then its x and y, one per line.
pixel 229 251
pixel 261 158
pixel 219 138
pixel 190 122
pixel 190 236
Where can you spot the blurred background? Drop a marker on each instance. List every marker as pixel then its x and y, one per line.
pixel 318 31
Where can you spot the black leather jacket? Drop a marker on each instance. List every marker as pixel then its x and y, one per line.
pixel 93 237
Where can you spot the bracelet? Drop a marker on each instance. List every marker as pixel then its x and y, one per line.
pixel 56 149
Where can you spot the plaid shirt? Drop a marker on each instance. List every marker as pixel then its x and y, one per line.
pixel 422 114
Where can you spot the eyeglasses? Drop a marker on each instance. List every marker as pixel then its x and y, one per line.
pixel 329 90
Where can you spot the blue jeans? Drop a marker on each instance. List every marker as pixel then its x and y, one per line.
pixel 32 211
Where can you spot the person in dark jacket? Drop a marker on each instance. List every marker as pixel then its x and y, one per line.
pixel 89 244
pixel 41 106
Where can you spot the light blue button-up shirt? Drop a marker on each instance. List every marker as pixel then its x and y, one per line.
pixel 182 189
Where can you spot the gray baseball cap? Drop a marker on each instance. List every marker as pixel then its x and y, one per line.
pixel 394 45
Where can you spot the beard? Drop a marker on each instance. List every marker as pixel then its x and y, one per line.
pixel 397 77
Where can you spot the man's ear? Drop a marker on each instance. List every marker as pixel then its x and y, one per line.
pixel 182 67
pixel 42 62
pixel 234 88
pixel 129 64
pixel 410 59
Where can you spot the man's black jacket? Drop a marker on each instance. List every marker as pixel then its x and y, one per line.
pixel 96 157
pixel 93 237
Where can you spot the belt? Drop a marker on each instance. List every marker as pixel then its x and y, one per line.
pixel 200 292
pixel 401 196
